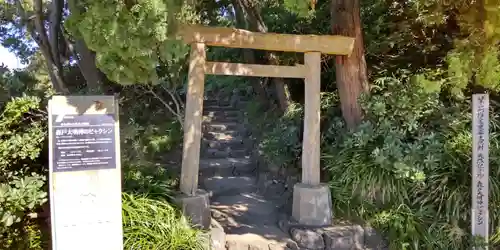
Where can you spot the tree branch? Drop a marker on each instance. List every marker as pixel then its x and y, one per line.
pixel 253 15
pixel 55 22
pixel 38 34
pixel 178 115
pixel 88 65
pixel 25 19
pixel 40 27
pixel 174 99
pixel 53 63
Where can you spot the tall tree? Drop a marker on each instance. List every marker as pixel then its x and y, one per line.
pixel 42 22
pixel 254 22
pixel 351 73
pixel 241 10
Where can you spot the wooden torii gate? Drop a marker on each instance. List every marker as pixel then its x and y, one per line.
pixel 312 46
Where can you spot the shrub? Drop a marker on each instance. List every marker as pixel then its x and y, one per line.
pixel 154 224
pixel 282 144
pixel 22 174
pixel 145 150
pixel 281 134
pixel 407 168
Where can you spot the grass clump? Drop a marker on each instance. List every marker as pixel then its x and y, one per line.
pixel 150 221
pixel 155 224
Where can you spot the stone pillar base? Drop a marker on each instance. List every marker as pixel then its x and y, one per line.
pixel 312 205
pixel 196 208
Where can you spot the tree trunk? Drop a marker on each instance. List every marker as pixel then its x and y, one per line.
pixel 88 67
pixel 256 23
pixel 54 66
pixel 248 54
pixel 351 73
pixel 282 92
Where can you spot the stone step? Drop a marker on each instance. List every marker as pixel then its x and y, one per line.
pixel 238 212
pixel 228 153
pixel 222 126
pixel 233 144
pixel 226 147
pixel 227 185
pixel 221 119
pixel 229 113
pixel 218 108
pixel 224 134
pixel 250 221
pixel 255 242
pixel 226 167
pixel 231 108
pixel 227 102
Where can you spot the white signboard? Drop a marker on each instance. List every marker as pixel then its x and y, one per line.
pixel 85 173
pixel 480 169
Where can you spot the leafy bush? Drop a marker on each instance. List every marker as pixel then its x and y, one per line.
pixel 154 224
pixel 22 175
pixel 282 144
pixel 148 141
pixel 407 168
pixel 281 134
pixel 132 42
pixel 144 150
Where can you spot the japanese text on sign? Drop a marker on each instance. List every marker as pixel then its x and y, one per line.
pixel 480 169
pixel 84 142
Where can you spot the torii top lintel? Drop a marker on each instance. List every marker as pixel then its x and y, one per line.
pixel 238 38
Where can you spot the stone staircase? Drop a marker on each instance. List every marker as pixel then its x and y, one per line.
pixel 248 204
pixel 228 172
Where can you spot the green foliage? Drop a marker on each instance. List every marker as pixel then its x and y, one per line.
pixel 145 149
pixel 225 84
pixel 300 7
pixel 465 30
pixel 282 144
pixel 130 39
pixel 146 143
pixel 406 169
pixel 22 177
pixel 149 219
pixel 403 35
pixel 18 82
pixel 147 134
pixel 281 134
pixel 154 224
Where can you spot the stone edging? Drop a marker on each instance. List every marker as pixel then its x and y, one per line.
pixel 336 237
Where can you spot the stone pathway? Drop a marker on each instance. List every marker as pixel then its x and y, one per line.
pixel 247 211
pixel 249 218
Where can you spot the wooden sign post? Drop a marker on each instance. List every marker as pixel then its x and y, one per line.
pixel 85 173
pixel 480 168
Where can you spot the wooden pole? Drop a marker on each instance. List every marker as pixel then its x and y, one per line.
pixel 480 168
pixel 193 119
pixel 311 141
